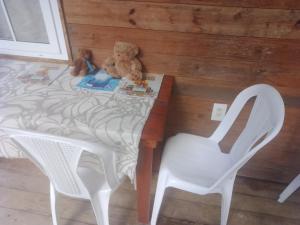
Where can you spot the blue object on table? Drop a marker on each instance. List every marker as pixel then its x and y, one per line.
pixel 100 81
pixel 91 68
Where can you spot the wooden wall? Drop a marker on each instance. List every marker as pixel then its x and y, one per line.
pixel 214 48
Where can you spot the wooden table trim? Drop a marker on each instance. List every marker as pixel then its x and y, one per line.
pixel 152 135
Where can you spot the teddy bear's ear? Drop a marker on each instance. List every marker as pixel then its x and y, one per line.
pixel 133 48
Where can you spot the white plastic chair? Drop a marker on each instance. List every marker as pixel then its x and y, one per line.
pixel 59 157
pixel 290 189
pixel 197 164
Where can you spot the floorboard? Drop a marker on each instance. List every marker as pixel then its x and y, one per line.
pixel 24 199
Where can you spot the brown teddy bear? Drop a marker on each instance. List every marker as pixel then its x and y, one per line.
pixel 83 65
pixel 124 62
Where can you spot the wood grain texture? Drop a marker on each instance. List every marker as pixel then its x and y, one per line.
pixel 268 4
pixel 228 75
pixel 187 44
pixel 144 181
pixel 255 22
pixel 214 49
pixel 155 126
pixel 152 135
pixel 24 200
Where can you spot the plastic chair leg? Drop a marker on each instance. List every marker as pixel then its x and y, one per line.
pixel 226 201
pixel 100 203
pixel 160 191
pixel 53 195
pixel 290 189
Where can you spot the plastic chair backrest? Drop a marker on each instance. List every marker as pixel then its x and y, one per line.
pixel 264 123
pixel 58 157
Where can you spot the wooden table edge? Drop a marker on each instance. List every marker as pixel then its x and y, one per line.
pixel 148 143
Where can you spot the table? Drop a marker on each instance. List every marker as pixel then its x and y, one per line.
pixel 61 109
pixel 152 136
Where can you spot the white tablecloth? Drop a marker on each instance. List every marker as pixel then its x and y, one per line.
pixel 62 109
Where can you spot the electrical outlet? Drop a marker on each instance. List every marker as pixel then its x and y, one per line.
pixel 218 112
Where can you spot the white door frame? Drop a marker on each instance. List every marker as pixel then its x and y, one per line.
pixel 56 49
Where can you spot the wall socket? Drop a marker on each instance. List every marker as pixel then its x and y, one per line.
pixel 218 112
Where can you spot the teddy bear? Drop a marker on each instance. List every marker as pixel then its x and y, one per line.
pixel 124 62
pixel 84 65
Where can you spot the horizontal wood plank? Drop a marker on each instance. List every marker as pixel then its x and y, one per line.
pixel 273 4
pixel 254 22
pixel 188 44
pixel 12 177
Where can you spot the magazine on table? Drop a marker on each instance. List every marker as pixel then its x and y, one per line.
pixel 148 87
pixel 101 81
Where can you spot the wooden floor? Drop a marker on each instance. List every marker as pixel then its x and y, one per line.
pixel 24 200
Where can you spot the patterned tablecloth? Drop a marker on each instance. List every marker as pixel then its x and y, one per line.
pixel 61 109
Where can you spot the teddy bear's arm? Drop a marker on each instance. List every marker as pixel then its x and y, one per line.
pixel 109 66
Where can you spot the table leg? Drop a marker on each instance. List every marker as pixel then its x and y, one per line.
pixel 157 154
pixel 144 181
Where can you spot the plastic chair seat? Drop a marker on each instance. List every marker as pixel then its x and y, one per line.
pixel 194 159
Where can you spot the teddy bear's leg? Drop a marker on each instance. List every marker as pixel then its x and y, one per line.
pixel 84 70
pixel 134 75
pixel 77 67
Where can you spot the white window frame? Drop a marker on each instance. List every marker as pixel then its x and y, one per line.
pixel 56 49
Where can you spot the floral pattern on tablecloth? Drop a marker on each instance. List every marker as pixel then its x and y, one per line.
pixel 63 109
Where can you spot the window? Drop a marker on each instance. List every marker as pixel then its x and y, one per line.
pixel 32 28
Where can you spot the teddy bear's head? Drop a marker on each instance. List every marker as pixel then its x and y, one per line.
pixel 85 54
pixel 125 51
